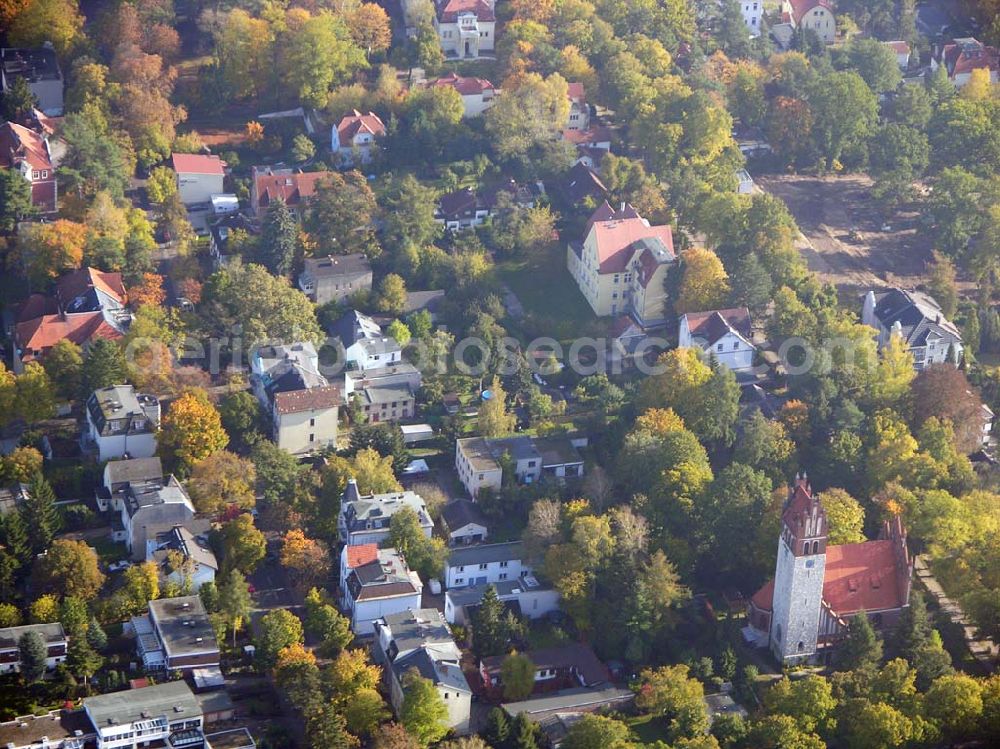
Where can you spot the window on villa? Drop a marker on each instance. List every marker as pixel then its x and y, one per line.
pixel 736 345
pixel 34 174
pixel 45 173
pixel 312 437
pixel 718 347
pixel 503 575
pixel 483 566
pixel 312 422
pixel 504 564
pixel 459 580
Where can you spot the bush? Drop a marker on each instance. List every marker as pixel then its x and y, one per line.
pixel 79 516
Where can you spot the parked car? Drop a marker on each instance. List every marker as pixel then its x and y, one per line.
pixel 124 564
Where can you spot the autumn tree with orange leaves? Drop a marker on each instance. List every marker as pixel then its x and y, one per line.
pixel 307 558
pixel 370 28
pixel 149 292
pixel 192 430
pixel 49 249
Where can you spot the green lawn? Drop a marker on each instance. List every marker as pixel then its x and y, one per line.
pixel 549 294
pixel 648 729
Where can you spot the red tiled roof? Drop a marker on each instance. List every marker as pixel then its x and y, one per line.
pixel 197 163
pixel 597 134
pixel 965 55
pixel 801 7
pixel 36 305
pixel 43 195
pixel 615 240
pixel 714 324
pixel 78 282
pixel 356 122
pixel 310 399
pixel 18 143
pixel 862 577
pixel 900 47
pixel 449 10
pixel 798 505
pixel 464 86
pixel 294 189
pixel 363 554
pixel 763 599
pixel 42 333
pixel 576 92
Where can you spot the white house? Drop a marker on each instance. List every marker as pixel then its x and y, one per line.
pixel 464 523
pixel 119 474
pixel 621 264
pixel 961 56
pixel 527 594
pixel 579 110
pixel 352 557
pixel 420 639
pixel 354 136
pixel 383 586
pixel 159 715
pixel 485 564
pixel 39 67
pixel 176 635
pixel 462 209
pixel 478 94
pixel 752 11
pixel 199 177
pixel 150 508
pixel 723 334
pixel 194 551
pixel 365 345
pixel 918 319
pixel 122 423
pixel 816 15
pixel 365 519
pixel 52 634
pixel 478 460
pixel 466 28
pixel 902 51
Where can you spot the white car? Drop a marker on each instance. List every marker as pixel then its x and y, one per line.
pixel 119 566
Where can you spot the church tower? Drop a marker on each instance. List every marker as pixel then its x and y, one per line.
pixel 798 576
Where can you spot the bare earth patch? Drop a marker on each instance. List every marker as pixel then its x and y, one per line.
pixel 845 239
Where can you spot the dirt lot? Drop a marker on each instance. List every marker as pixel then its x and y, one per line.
pixel 828 209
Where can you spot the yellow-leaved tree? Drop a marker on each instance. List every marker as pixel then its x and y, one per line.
pixel 704 282
pixel 191 431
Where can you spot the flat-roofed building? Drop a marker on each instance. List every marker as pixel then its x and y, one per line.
pixel 182 635
pixel 53 634
pixel 166 715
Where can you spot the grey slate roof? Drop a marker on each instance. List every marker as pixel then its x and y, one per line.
pixel 50 633
pixel 461 512
pixel 485 553
pixel 134 470
pixel 150 493
pixel 375 511
pixel 447 673
pixel 918 315
pixel 413 628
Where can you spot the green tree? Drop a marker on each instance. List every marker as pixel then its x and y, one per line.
pixel 326 727
pixel 423 554
pixel 103 366
pixel 408 215
pixel 318 54
pixel 494 418
pixel 528 114
pixel 277 629
pixel 329 625
pixel 97 157
pixel 810 701
pixel 424 713
pixel 64 365
pixel 15 198
pixel 845 517
pixel 243 545
pixel 489 629
pixel 780 731
pixel 517 672
pixel 955 704
pixel 96 637
pixel 862 648
pixel 40 515
pixel 671 693
pixel 896 148
pixel 278 238
pixel 81 659
pixel 865 725
pixel 241 417
pixel 497 728
pixel 236 603
pixel 340 217
pixel 33 654
pixel 597 732
pixel 17 101
pixel 846 112
pixel 391 294
pixel 875 62
pixel 303 148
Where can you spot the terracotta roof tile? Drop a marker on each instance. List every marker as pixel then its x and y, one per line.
pixel 356 122
pixel 449 10
pixel 616 239
pixel 464 86
pixel 362 554
pixel 19 143
pixel 197 163
pixel 311 399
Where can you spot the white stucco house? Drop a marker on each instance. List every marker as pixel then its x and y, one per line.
pixel 527 594
pixel 478 94
pixel 466 28
pixel 918 319
pixel 485 564
pixel 378 588
pixel 419 639
pixel 365 345
pixel 722 333
pixel 815 15
pixel 464 523
pixel 752 11
pixel 354 136
pixel 199 177
pixel 366 519
pixel 122 423
pixel 54 636
pixel 478 460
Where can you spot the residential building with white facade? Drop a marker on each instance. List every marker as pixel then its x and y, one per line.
pixel 354 137
pixel 148 509
pixel 176 635
pixel 39 66
pixel 621 265
pixel 365 345
pixel 753 11
pixel 722 334
pixel 464 523
pixel 54 636
pixel 193 550
pixel 478 94
pixel 961 56
pixel 199 177
pixel 466 28
pixel 122 423
pixel 365 519
pixel 379 588
pixel 917 318
pixel 119 474
pixel 814 15
pixel 527 596
pixel 478 460
pixel 579 109
pixel 485 564
pixel 167 715
pixel 420 639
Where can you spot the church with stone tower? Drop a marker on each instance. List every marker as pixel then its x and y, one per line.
pixel 817 588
